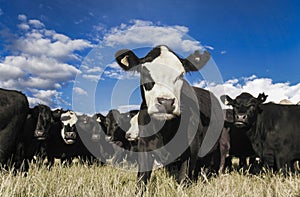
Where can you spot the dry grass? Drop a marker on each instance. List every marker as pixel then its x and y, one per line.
pixel 83 180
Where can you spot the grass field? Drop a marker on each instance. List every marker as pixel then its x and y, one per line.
pixel 83 180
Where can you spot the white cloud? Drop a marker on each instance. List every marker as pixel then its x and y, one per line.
pixel 127 108
pixel 23 26
pixel 46 97
pixel 94 78
pixel 36 23
pixel 140 33
pixel 39 63
pixel 146 33
pixel 22 17
pixel 223 52
pixel 254 85
pixel 80 91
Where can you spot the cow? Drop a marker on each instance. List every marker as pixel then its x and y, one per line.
pixel 93 136
pixel 64 141
pixel 117 126
pixel 14 108
pixel 36 130
pixel 168 119
pixel 239 145
pixel 273 129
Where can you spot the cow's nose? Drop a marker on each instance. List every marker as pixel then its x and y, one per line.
pixel 241 117
pixel 127 135
pixel 168 104
pixel 70 135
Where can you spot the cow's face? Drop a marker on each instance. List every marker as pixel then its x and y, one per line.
pixel 90 126
pixel 245 108
pixel 112 122
pixel 68 131
pixel 162 74
pixel 43 115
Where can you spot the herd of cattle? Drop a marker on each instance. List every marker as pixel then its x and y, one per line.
pixel 177 125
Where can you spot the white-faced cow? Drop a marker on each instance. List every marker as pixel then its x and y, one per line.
pixel 169 112
pixel 273 129
pixel 13 112
pixel 64 141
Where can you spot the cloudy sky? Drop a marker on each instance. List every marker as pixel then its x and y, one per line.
pixel 61 53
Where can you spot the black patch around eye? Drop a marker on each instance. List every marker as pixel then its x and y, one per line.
pixel 146 79
pixel 65 118
pixel 148 86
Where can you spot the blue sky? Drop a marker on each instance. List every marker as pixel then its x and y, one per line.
pixel 61 52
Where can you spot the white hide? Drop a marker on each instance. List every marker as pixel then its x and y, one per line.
pixel 166 70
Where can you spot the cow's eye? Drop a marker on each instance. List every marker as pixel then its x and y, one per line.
pixel 180 77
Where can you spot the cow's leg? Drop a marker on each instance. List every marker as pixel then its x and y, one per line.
pixel 224 143
pixel 254 165
pixel 283 164
pixel 50 162
pixel 19 160
pixel 184 170
pixel 228 163
pixel 145 165
pixel 243 163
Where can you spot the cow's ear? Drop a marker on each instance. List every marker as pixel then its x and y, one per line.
pixel 35 112
pixel 227 100
pixel 261 98
pixel 127 59
pixel 100 118
pixel 195 61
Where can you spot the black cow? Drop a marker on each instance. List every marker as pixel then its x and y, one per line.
pixel 13 112
pixel 91 133
pixel 239 145
pixel 117 126
pixel 273 129
pixel 169 114
pixel 36 130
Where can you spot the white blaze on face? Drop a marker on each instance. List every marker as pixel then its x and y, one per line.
pixel 70 118
pixel 133 131
pixel 166 71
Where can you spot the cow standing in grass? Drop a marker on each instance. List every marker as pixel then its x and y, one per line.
pixel 13 112
pixel 169 119
pixel 36 131
pixel 273 129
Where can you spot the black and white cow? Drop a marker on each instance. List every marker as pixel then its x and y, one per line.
pixel 64 141
pixel 36 130
pixel 168 119
pixel 273 129
pixel 118 125
pixel 13 112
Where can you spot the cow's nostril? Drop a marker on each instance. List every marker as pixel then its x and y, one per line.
pixel 167 104
pixel 127 136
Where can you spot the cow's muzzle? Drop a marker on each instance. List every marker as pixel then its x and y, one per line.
pixel 40 135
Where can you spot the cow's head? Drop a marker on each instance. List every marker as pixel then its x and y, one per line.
pixel 43 116
pixel 90 126
pixel 68 131
pixel 245 108
pixel 161 77
pixel 118 124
